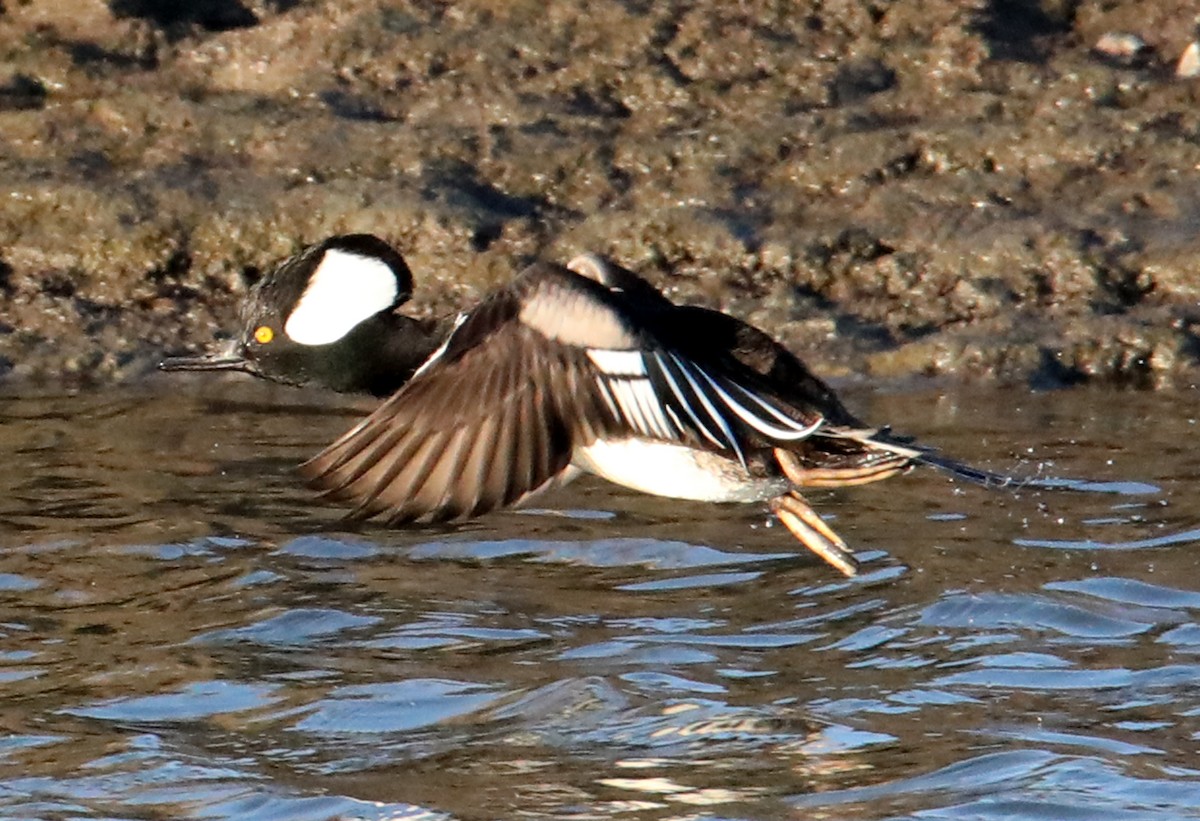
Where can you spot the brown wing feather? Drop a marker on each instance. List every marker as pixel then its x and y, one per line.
pixel 494 418
pixel 467 436
pixel 475 467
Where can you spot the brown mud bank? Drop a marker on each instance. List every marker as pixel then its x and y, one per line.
pixel 923 187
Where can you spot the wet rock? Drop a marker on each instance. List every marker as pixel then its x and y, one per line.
pixel 21 93
pixel 1123 48
pixel 857 81
pixel 1143 356
pixel 911 188
pixel 1189 62
pixel 211 15
pixel 1164 28
pixel 1023 30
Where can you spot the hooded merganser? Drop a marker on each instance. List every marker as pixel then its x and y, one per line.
pixel 584 367
pixel 327 316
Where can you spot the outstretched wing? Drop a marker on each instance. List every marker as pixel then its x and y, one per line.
pixel 538 369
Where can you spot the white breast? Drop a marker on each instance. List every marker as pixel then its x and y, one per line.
pixel 664 469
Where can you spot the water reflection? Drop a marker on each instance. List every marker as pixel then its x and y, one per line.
pixel 184 632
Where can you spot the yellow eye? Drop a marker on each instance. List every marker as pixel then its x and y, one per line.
pixel 263 334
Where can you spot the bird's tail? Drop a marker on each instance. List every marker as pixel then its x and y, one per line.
pixel 884 439
pixel 970 473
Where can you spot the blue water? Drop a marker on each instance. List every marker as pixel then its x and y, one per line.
pixel 186 633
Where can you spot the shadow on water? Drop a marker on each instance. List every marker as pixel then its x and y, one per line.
pixel 186 632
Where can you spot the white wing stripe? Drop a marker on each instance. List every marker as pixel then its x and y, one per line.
pixel 641 408
pixel 684 402
pixel 640 418
pixel 710 402
pixel 799 427
pixel 623 374
pixel 629 408
pixel 674 417
pixel 730 440
pixel 618 363
pixel 762 426
pixel 648 407
pixel 606 395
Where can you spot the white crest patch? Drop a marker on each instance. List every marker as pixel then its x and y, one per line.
pixel 344 290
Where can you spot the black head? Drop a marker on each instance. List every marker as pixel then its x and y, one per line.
pixel 326 316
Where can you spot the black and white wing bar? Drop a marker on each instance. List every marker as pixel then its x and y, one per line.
pixel 660 395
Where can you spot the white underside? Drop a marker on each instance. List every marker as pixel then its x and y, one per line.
pixel 664 469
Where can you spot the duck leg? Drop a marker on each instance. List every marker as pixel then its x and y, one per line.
pixel 881 466
pixel 812 532
pixel 804 522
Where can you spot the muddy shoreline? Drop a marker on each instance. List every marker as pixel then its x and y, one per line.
pixel 897 191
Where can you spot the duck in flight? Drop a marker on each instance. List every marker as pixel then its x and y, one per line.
pixel 585 367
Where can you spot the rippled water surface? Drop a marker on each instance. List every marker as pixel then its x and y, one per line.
pixel 186 632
